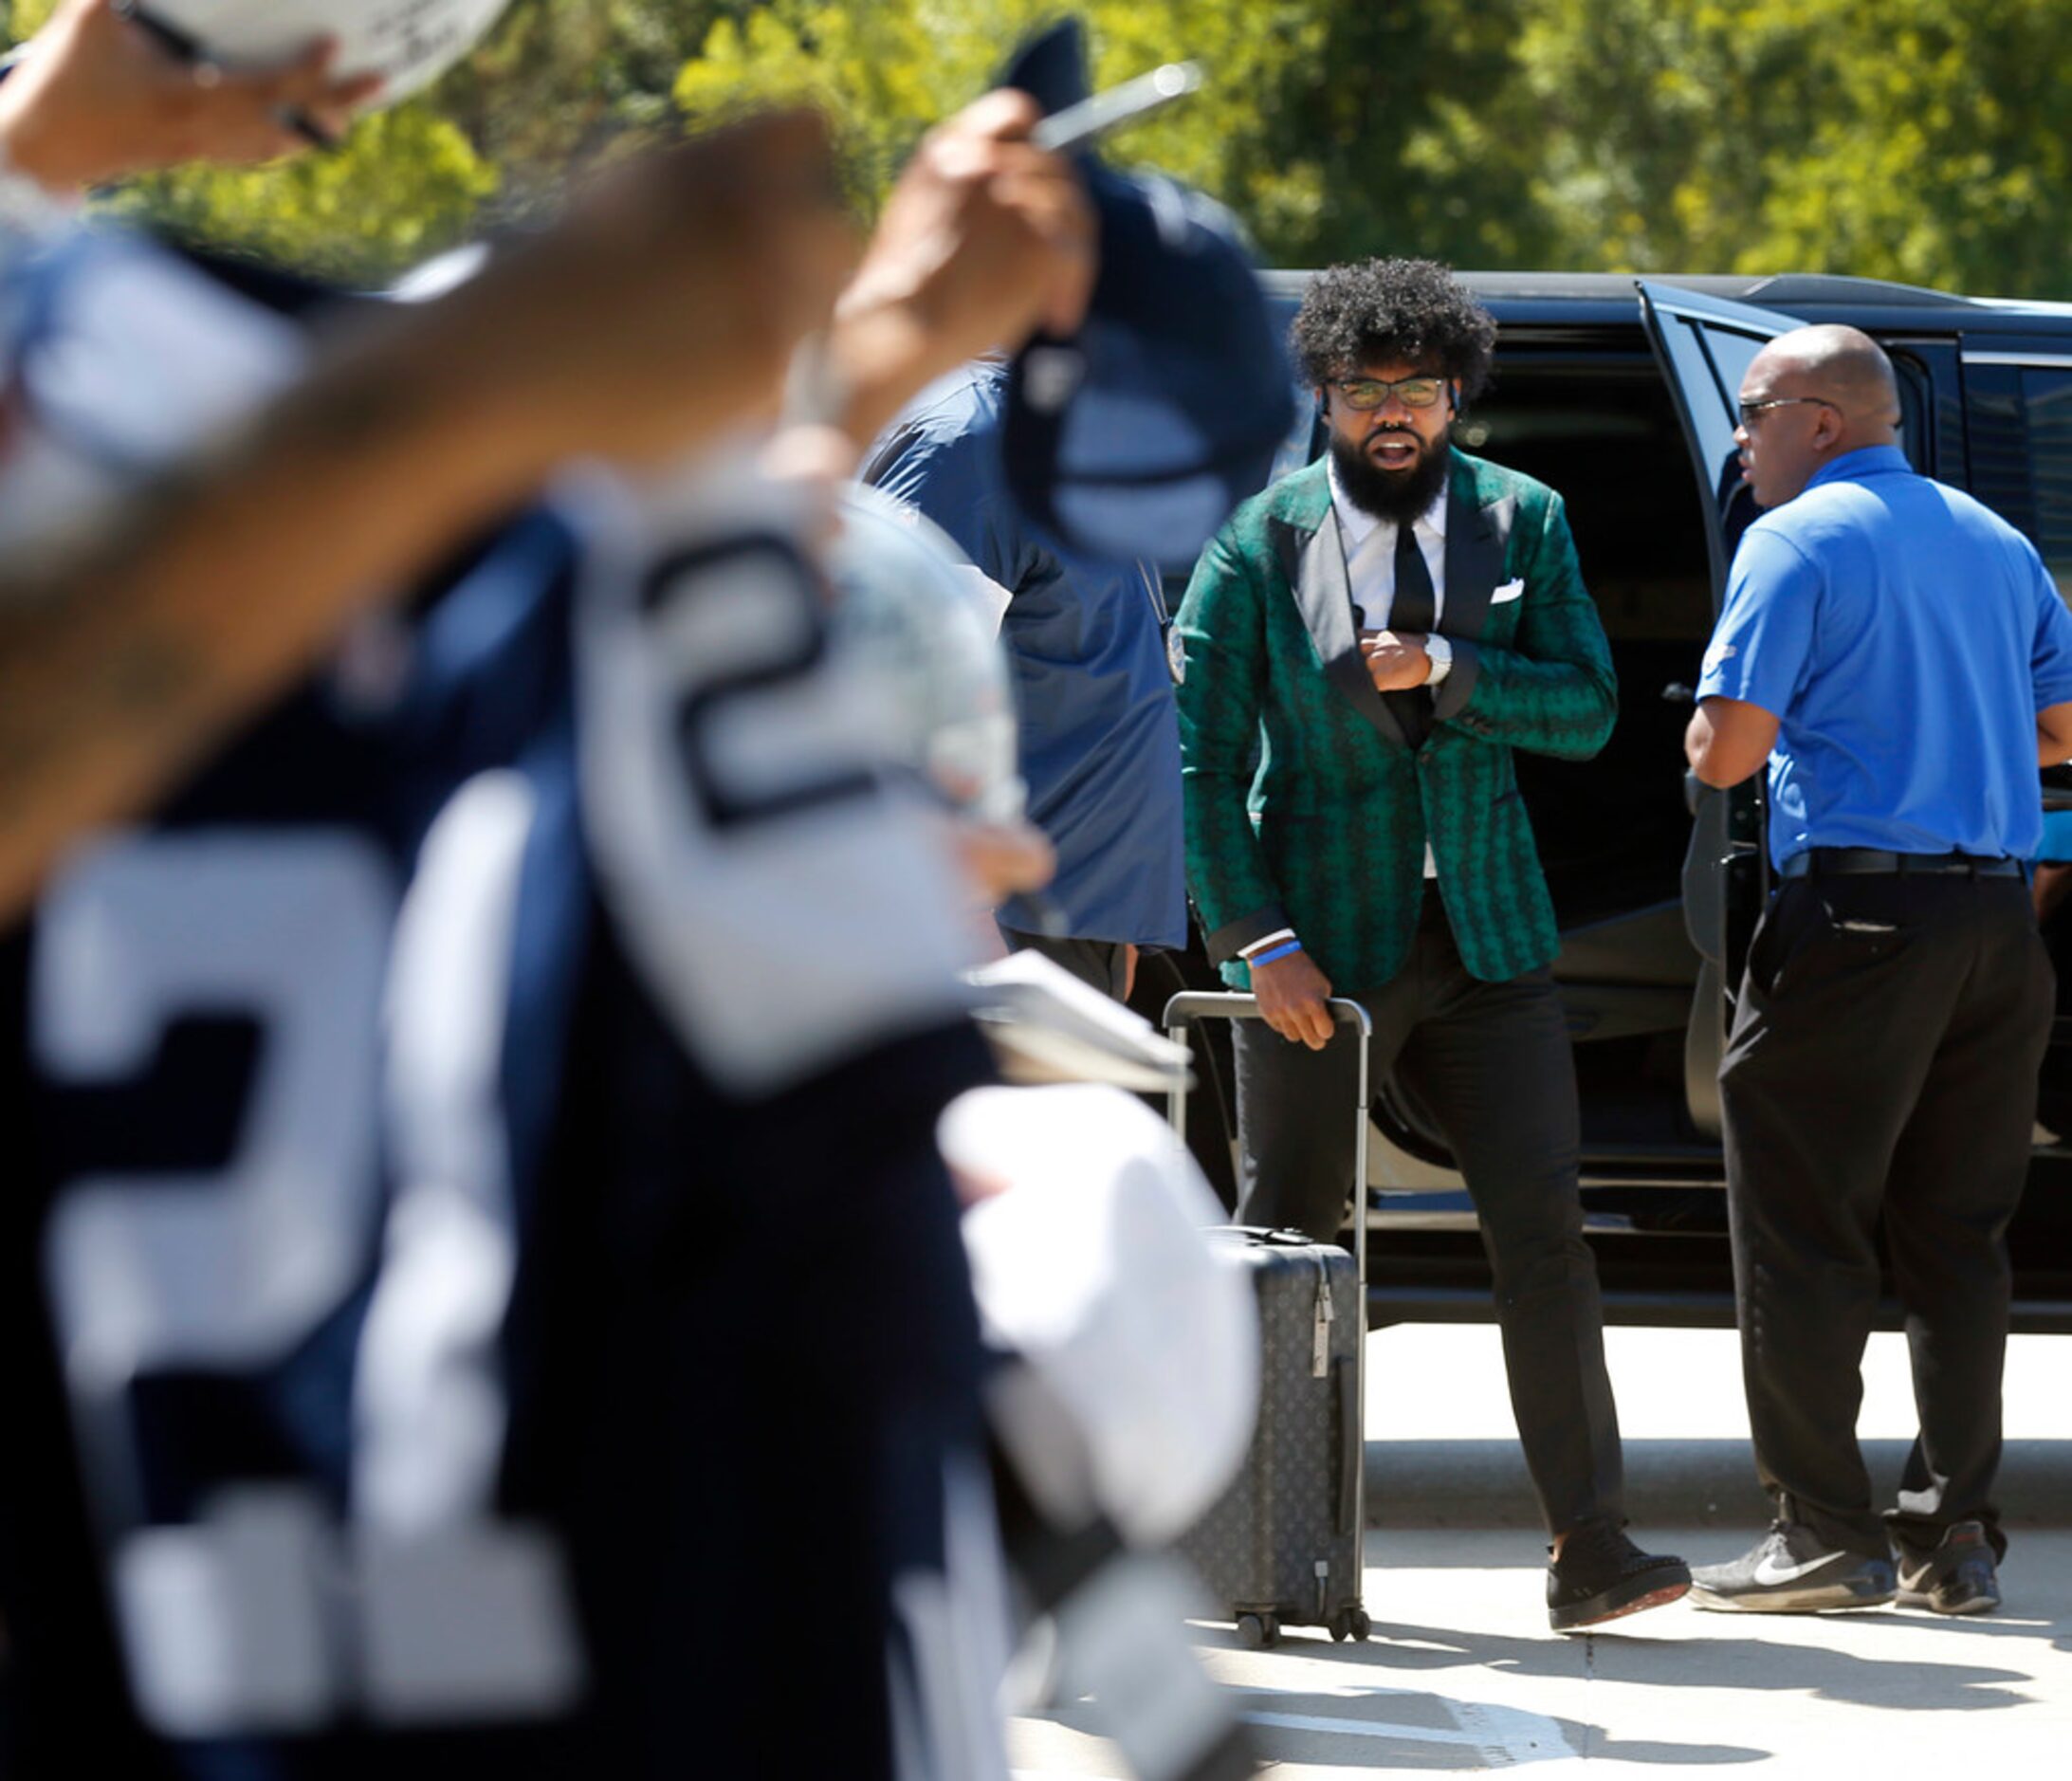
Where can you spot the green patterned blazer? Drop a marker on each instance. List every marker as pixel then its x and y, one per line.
pixel 1306 808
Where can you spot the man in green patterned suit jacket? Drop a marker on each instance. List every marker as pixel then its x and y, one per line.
pixel 1366 644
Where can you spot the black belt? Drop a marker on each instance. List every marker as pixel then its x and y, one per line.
pixel 1861 861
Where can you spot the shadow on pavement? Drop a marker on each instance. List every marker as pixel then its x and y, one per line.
pixel 1399 1730
pixel 1703 1655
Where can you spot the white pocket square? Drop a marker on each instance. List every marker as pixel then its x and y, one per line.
pixel 1509 591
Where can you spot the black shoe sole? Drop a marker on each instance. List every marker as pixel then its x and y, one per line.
pixel 1617 1603
pixel 1921 1599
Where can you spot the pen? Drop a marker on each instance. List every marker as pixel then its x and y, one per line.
pixel 185 47
pixel 1078 125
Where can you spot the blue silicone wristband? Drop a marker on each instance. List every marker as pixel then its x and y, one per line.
pixel 1281 951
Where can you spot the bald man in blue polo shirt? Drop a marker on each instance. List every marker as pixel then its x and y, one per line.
pixel 1902 661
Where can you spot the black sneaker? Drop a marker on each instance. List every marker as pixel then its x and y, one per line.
pixel 1789 1572
pixel 1600 1574
pixel 1958 1576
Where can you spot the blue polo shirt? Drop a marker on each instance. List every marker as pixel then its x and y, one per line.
pixel 1905 636
pixel 1099 733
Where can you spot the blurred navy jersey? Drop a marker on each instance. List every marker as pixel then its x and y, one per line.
pixel 276 1182
pixel 1099 737
pixel 755 1300
pixel 447 1351
pixel 439 1134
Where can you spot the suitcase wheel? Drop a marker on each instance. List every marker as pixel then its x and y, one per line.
pixel 1256 1631
pixel 1351 1623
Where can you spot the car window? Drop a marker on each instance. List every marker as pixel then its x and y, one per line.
pixel 1709 364
pixel 1916 434
pixel 2046 401
pixel 1709 359
pixel 2019 422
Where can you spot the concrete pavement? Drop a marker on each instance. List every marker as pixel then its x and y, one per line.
pixel 1462 1674
pixel 1442 1450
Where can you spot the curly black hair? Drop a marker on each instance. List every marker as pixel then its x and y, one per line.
pixel 1410 311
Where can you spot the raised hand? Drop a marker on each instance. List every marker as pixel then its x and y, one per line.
pixel 99 97
pixel 985 239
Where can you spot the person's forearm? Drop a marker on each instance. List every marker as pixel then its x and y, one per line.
pixel 1706 757
pixel 213 589
pixel 99 97
pixel 1698 741
pixel 659 312
pixel 985 239
pixel 1228 873
pixel 1565 708
pixel 1728 741
pixel 874 361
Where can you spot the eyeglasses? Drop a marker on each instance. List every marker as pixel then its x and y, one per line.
pixel 1366 394
pixel 1750 410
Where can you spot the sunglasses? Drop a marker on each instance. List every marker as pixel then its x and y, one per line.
pixel 1750 410
pixel 1363 394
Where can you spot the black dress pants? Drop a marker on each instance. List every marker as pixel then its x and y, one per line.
pixel 1102 964
pixel 1881 1065
pixel 1493 1062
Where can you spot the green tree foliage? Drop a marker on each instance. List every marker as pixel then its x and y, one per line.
pixel 1918 139
pixel 558 83
pixel 406 186
pixel 1403 129
pixel 887 71
pixel 562 83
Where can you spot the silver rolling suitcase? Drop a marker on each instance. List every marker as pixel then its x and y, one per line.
pixel 1283 1547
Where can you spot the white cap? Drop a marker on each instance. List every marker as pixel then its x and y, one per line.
pixel 410 47
pixel 1091 1267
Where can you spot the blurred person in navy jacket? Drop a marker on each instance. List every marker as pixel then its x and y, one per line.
pixel 1099 739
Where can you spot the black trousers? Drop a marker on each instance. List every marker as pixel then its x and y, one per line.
pixel 1881 1065
pixel 1102 964
pixel 1493 1062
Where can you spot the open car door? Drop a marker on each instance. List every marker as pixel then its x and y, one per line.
pixel 1704 344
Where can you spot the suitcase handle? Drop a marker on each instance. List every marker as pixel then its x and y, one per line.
pixel 1235 1004
pixel 1204 1004
pixel 1201 1005
pixel 1352 1445
pixel 1196 1004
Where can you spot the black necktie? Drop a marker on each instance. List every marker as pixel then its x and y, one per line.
pixel 1412 610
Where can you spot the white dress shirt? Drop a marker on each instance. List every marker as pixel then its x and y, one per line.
pixel 1369 545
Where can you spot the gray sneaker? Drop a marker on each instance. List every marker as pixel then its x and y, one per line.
pixel 1789 1572
pixel 1958 1576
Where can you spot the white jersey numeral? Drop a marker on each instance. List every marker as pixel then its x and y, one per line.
pixel 263 1615
pixel 788 910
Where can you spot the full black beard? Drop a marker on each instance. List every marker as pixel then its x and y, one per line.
pixel 1393 495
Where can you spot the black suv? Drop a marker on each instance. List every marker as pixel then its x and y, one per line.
pixel 1621 393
